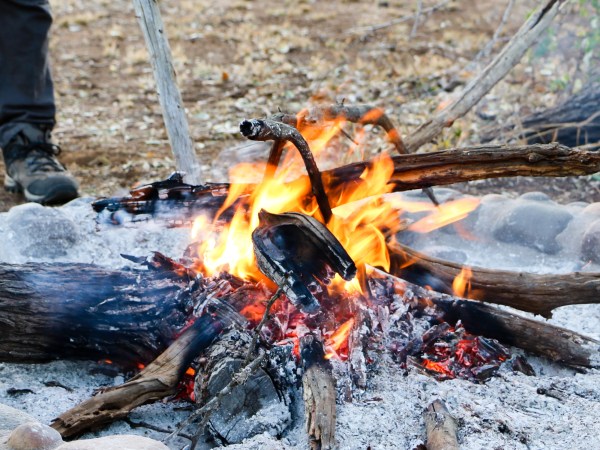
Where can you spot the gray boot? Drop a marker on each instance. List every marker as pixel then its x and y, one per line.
pixel 32 168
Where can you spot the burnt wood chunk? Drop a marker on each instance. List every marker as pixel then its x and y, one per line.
pixel 158 380
pixel 441 427
pixel 319 394
pixel 299 254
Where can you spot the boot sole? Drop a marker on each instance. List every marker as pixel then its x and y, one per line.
pixel 59 195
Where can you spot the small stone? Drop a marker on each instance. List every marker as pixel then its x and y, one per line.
pixel 118 442
pixel 34 436
pixel 41 232
pixel 536 196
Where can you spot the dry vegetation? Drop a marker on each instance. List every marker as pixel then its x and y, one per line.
pixel 237 59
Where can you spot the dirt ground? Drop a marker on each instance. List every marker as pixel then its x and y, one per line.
pixel 237 59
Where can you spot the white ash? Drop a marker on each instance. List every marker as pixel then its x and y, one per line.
pixel 508 412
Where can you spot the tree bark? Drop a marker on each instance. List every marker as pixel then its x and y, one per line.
pixel 538 294
pixel 441 427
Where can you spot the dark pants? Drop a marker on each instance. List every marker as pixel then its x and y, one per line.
pixel 26 90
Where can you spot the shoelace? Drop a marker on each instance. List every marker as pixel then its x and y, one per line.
pixel 41 157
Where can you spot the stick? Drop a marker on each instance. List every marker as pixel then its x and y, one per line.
pixel 268 130
pixel 158 380
pixel 538 294
pixel 441 427
pixel 150 21
pixel 510 55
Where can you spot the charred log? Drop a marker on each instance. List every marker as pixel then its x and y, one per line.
pixel 538 294
pixel 257 394
pixel 80 311
pixel 319 394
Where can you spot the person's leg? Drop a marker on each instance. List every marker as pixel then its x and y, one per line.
pixel 26 90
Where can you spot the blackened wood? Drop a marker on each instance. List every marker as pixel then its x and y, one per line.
pixel 158 380
pixel 81 311
pixel 297 252
pixel 441 427
pixel 319 394
pixel 538 294
pixel 555 343
pixel 268 130
pixel 257 395
pixel 574 122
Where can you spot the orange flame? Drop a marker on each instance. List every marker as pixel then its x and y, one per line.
pixel 338 339
pixel 462 283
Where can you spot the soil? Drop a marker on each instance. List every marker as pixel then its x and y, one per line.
pixel 237 59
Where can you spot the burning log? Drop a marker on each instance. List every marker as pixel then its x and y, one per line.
pixel 441 427
pixel 319 394
pixel 409 172
pixel 80 311
pixel 538 294
pixel 555 343
pixel 158 380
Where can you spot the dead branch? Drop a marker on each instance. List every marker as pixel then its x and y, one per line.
pixel 510 55
pixel 158 380
pixel 267 130
pixel 538 294
pixel 441 427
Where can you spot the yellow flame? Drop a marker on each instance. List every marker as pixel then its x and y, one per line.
pixel 462 283
pixel 445 214
pixel 338 338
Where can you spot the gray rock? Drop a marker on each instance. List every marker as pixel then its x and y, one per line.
pixel 590 245
pixel 40 232
pixel 532 224
pixel 10 418
pixel 34 436
pixel 119 442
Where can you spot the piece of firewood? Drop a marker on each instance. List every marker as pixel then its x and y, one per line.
pixel 148 14
pixel 82 311
pixel 538 294
pixel 555 343
pixel 504 61
pixel 414 171
pixel 441 427
pixel 158 380
pixel 319 394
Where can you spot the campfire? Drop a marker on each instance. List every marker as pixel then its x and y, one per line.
pixel 294 284
pixel 295 287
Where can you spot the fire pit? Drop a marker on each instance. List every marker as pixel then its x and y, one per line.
pixel 252 323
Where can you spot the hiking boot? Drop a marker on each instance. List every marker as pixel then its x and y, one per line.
pixel 32 168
